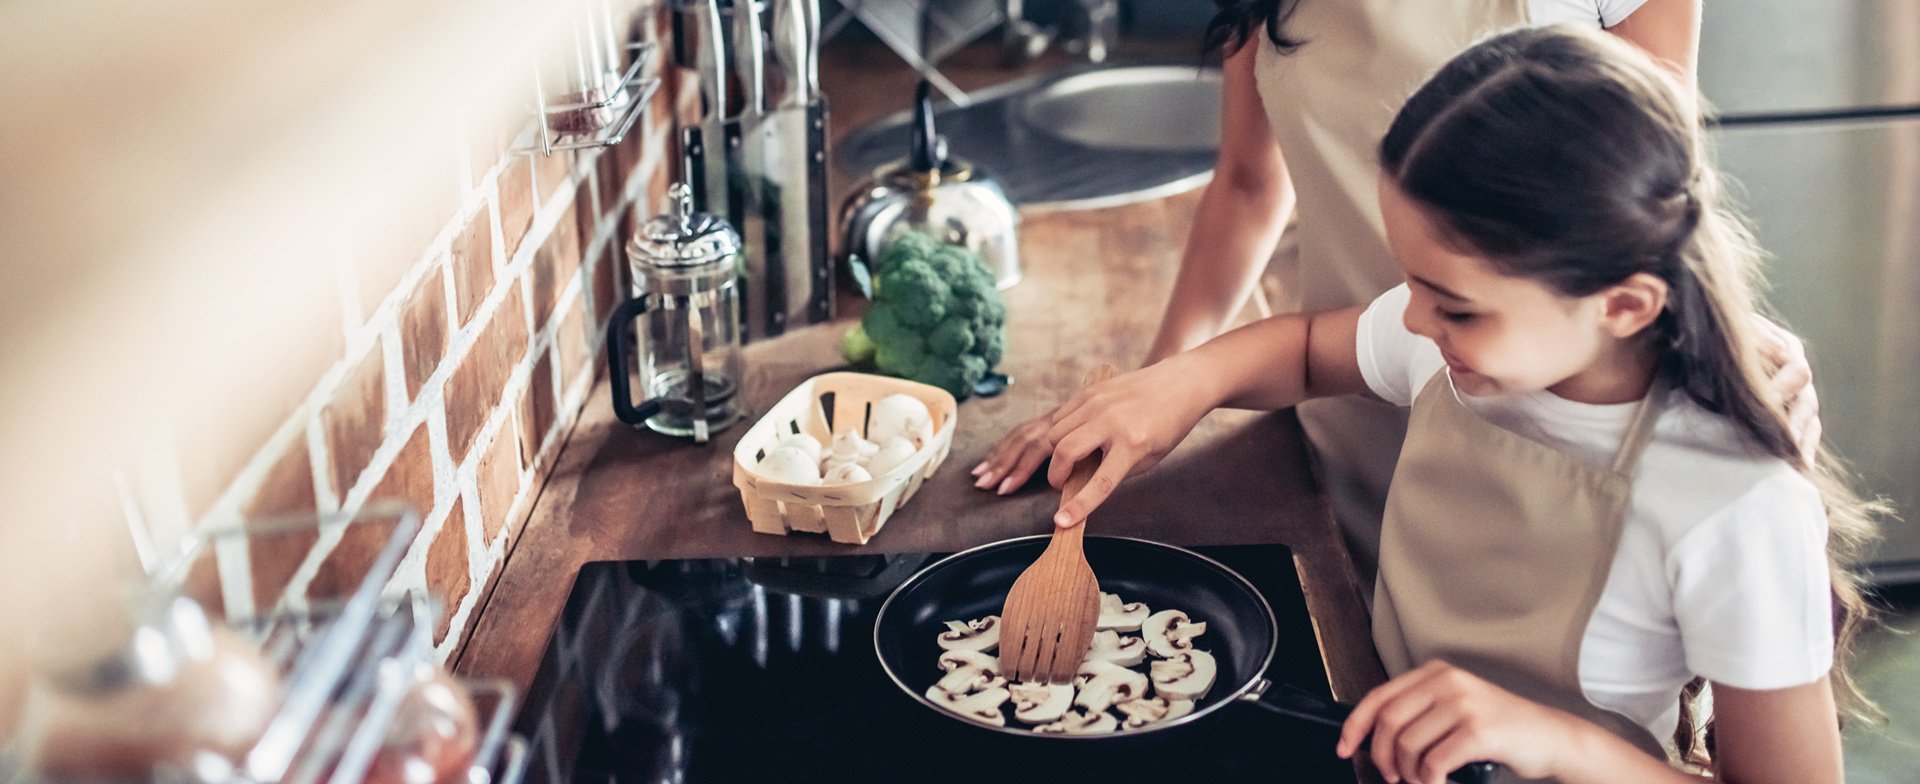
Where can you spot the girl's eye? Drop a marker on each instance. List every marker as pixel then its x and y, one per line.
pixel 1457 317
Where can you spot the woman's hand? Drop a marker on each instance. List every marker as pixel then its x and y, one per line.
pixel 1792 380
pixel 1134 420
pixel 1435 719
pixel 1013 460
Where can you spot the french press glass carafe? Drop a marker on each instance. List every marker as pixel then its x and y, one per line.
pixel 684 277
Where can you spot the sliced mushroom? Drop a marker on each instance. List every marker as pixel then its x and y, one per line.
pixel 1178 708
pixel 1039 703
pixel 1169 632
pixel 1185 676
pixel 1120 616
pixel 1144 711
pixel 968 672
pixel 982 706
pixel 1077 723
pixel 1109 646
pixel 1104 683
pixel 982 635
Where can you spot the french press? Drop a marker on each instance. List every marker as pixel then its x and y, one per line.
pixel 684 275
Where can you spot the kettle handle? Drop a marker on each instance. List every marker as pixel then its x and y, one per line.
pixel 923 144
pixel 617 353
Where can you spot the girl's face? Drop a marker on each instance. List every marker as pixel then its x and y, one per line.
pixel 1502 334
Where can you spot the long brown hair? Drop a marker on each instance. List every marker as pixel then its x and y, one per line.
pixel 1568 157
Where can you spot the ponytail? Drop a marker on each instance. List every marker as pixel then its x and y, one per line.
pixel 1233 21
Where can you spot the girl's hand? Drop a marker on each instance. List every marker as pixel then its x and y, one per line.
pixel 1435 719
pixel 1792 380
pixel 1013 460
pixel 1133 419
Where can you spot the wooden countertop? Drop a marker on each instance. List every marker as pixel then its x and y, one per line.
pixel 1096 283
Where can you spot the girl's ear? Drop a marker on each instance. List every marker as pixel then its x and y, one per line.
pixel 1632 304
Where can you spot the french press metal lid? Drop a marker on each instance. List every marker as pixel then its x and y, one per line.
pixel 685 274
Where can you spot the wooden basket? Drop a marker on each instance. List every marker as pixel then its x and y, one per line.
pixel 852 512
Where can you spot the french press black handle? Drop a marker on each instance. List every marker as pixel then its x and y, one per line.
pixel 617 352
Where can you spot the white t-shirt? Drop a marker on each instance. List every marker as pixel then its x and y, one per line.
pixel 1722 568
pixel 1586 13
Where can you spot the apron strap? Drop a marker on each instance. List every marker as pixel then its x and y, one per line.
pixel 1640 430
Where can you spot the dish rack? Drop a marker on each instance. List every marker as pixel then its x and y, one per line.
pixel 345 654
pixel 850 513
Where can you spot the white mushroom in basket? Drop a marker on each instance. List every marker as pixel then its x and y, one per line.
pixel 845 474
pixel 1185 676
pixel 892 454
pixel 1169 633
pixel 1040 703
pixel 1120 616
pixel 1077 723
pixel 968 672
pixel 790 465
pixel 981 706
pixel 801 441
pixel 1109 646
pixel 1103 683
pixel 982 635
pixel 900 415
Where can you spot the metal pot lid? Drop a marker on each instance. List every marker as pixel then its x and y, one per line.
pixel 683 238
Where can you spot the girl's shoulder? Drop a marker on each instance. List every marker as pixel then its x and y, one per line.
pixel 1701 472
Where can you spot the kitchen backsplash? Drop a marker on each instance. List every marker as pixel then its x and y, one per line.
pixel 457 390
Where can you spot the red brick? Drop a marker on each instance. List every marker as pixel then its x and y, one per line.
pixel 347 565
pixel 475 387
pixel 423 330
pixel 355 420
pixel 273 557
pixel 549 172
pixel 288 488
pixel 570 343
pixel 536 409
pixel 610 179
pixel 586 216
pixel 410 478
pixel 498 480
pixel 448 576
pixel 472 264
pixel 516 202
pixel 553 265
pixel 604 285
pixel 657 185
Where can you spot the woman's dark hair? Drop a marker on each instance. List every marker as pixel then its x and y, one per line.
pixel 1570 158
pixel 1233 22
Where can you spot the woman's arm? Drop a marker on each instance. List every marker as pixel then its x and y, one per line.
pixel 1438 717
pixel 1239 220
pixel 1669 30
pixel 1238 223
pixel 1137 418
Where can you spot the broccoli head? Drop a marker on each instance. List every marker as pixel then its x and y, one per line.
pixel 937 316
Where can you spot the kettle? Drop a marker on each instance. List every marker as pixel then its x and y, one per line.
pixel 931 191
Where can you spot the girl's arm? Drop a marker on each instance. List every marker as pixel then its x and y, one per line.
pixel 1438 718
pixel 1137 418
pixel 1669 30
pixel 1238 223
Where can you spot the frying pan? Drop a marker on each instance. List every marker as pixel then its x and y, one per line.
pixel 1241 632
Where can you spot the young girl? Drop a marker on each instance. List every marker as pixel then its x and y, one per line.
pixel 1599 500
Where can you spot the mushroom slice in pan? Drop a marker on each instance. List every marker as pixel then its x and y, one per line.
pixel 1185 676
pixel 1169 632
pixel 1178 708
pixel 1104 683
pixel 1077 723
pixel 969 671
pixel 982 635
pixel 1039 703
pixel 1120 616
pixel 982 706
pixel 1144 711
pixel 1110 646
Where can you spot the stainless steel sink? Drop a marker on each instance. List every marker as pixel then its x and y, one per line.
pixel 1164 108
pixel 1075 139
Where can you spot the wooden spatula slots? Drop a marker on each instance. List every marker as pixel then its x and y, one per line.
pixel 1047 623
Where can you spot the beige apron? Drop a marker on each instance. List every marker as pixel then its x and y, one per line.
pixel 1496 548
pixel 1328 103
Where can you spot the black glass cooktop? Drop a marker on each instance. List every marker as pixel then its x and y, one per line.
pixel 764 670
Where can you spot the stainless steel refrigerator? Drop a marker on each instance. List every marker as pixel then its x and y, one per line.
pixel 1817 111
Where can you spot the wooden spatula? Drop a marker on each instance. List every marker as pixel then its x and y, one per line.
pixel 1047 623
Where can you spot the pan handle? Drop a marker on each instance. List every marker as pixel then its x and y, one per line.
pixel 1294 702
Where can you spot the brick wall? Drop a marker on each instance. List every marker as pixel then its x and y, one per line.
pixel 457 369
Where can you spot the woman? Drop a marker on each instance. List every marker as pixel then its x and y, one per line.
pixel 1309 87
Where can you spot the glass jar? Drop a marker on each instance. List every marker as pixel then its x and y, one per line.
pixel 686 298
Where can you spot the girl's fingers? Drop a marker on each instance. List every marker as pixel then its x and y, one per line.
pixel 1360 722
pixel 1449 753
pixel 1068 451
pixel 1030 459
pixel 1392 723
pixel 1415 740
pixel 1074 511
